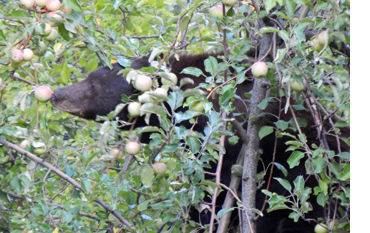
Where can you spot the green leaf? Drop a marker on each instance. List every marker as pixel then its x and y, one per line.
pixel 345 175
pixel 193 144
pixel 147 175
pixel 211 65
pixel 324 186
pixel 264 103
pixel 290 7
pixel 284 183
pixel 269 4
pixel 73 4
pixel 192 71
pixel 224 211
pixel 143 205
pixel 283 125
pixel 281 168
pixel 295 158
pixel 152 108
pixel 264 131
pixel 299 185
pixel 318 163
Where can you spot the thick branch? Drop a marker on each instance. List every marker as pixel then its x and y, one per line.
pixel 251 150
pixel 62 175
pixel 41 162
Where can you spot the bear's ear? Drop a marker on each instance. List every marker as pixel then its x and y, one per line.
pixel 139 63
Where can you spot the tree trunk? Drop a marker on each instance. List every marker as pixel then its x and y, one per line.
pixel 251 149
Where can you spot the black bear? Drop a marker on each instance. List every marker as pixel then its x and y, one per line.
pixel 102 91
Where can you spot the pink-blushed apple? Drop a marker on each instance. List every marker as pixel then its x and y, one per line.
pixel 16 56
pixel 116 153
pixel 132 147
pixel 143 82
pixel 67 10
pixel 55 17
pixel 159 168
pixel 27 54
pixel 43 93
pixel 217 11
pixel 53 5
pixel 259 69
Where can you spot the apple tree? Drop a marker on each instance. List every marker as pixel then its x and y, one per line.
pixel 59 172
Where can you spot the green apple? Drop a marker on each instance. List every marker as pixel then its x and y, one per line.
pixel 53 35
pixel 134 108
pixel 27 4
pixel 296 86
pixel 229 2
pixel 27 54
pixel 320 228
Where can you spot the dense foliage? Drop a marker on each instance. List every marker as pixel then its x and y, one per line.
pixel 33 198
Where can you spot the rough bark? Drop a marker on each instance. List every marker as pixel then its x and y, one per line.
pixel 251 149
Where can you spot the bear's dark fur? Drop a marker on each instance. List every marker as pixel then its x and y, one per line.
pixel 101 92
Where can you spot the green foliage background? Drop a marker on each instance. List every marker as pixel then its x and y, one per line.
pixel 33 199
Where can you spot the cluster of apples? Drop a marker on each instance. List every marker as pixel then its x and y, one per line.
pixel 144 84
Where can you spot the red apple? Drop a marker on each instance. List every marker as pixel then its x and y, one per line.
pixel 217 11
pixel 27 4
pixel 16 56
pixel 143 82
pixel 53 35
pixel 159 168
pixel 229 2
pixel 1 81
pixel 53 5
pixel 27 54
pixel 40 3
pixel 132 148
pixel 134 108
pixel 259 69
pixel 43 93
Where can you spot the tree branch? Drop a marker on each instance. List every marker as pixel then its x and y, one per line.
pixel 63 176
pixel 251 150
